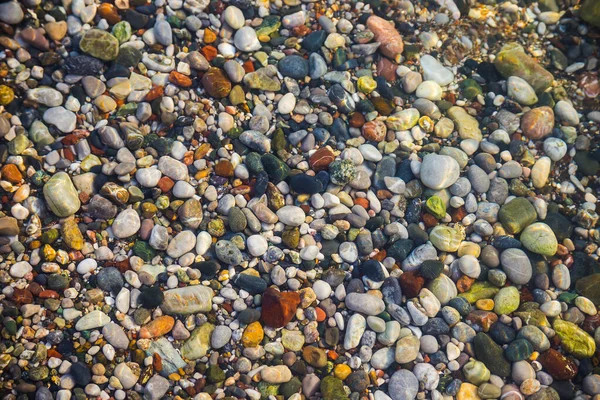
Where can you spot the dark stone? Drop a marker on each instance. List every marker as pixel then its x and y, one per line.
pixel 400 249
pixel 314 40
pixel 342 99
pixel 308 184
pixel 506 242
pixel 129 56
pixel 339 129
pixel 431 269
pixel 275 168
pixel 81 374
pixel 435 327
pixel 355 286
pixel 583 266
pixel 373 270
pixel 151 297
pixel 565 389
pixel 392 293
pixel 262 181
pixel 461 305
pixel 110 279
pixel 43 393
pixel 385 167
pixel 136 19
pixel 378 237
pixel 334 277
pixel 364 242
pixel 83 65
pixel 587 165
pixel 560 225
pixel 251 284
pixel 254 163
pixel 329 247
pixel 332 336
pixel 289 388
pixel 117 71
pixel 418 235
pixel 101 208
pixel 358 381
pixel 249 316
pixel 438 357
pixel 490 353
pixel 58 282
pixel 374 223
pixel 413 211
pixel 502 334
pixel 293 66
pixel 404 172
pixel 208 268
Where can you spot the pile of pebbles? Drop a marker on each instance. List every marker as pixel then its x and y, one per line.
pixel 245 199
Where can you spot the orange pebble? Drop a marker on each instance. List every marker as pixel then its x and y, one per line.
pixel 109 12
pixel 209 36
pixel 154 93
pixel 248 66
pixel 179 79
pixel 364 203
pixel 320 314
pixel 209 52
pixel 157 328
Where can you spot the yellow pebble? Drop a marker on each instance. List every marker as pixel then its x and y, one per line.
pixel 253 335
pixel 467 391
pixel 534 356
pixel 469 248
pixel 366 84
pixel 485 304
pixel 302 198
pixel 341 371
pixel 202 174
pixel 7 95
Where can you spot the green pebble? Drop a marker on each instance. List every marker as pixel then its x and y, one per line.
pixel 436 207
pixel 518 350
pixel 122 31
pixel 275 167
pixel 470 89
pixel 506 300
pixel 332 388
pixel 491 354
pixel 267 389
pixel 49 236
pixel 478 291
pixel 143 250
pixel 476 372
pixel 214 374
pixel 516 215
pixel 574 340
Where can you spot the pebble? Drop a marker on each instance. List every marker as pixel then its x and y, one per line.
pixel 63 119
pixel 439 172
pixel 404 385
pixel 234 17
pixel 435 71
pixel 252 200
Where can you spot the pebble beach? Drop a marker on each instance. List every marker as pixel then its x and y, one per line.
pixel 299 199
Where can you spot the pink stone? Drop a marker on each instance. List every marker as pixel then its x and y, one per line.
pixel 146 229
pixel 386 34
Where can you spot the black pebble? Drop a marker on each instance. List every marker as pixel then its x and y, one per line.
pixel 208 268
pixel 303 183
pixel 151 297
pixel 81 374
